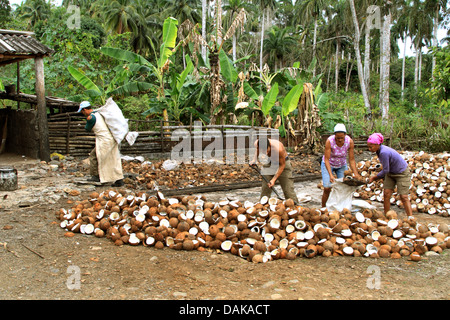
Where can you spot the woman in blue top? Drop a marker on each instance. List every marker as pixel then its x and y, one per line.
pixel 395 172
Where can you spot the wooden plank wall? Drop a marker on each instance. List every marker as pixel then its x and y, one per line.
pixel 67 136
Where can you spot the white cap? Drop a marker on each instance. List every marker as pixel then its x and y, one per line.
pixel 83 105
pixel 340 127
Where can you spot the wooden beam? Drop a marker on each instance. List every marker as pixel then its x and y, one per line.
pixel 12 60
pixel 44 145
pixel 18 83
pixel 17 32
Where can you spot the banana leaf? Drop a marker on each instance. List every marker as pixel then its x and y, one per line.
pixel 169 40
pixel 85 81
pixel 249 91
pixel 270 99
pixel 132 87
pixel 290 102
pixel 227 69
pixel 126 56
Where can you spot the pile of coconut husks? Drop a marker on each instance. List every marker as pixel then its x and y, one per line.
pixel 170 174
pixel 430 183
pixel 259 232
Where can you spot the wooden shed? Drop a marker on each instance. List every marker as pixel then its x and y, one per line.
pixel 27 131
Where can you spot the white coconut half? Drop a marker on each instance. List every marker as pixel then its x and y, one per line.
pixel 283 243
pixel 89 228
pixel 393 224
pixel 264 200
pixel 226 245
pixel 348 251
pixel 397 234
pixel 431 240
pixel 290 228
pixel 360 217
pixel 309 235
pixel 133 240
pixel 114 216
pixel 268 237
pixel 346 233
pixel 248 204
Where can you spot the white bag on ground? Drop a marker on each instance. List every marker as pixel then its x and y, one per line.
pixel 170 165
pixel 116 122
pixel 341 196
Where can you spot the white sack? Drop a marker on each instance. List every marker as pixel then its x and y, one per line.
pixel 131 137
pixel 341 196
pixel 114 119
pixel 363 204
pixel 169 165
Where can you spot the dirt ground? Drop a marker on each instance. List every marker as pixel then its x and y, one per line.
pixel 38 262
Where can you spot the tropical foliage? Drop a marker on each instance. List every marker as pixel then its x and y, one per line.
pixel 199 59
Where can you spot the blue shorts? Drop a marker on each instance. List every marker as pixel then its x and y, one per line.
pixel 326 177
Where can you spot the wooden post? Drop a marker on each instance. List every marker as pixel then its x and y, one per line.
pixel 68 134
pixel 162 136
pixel 44 145
pixel 18 83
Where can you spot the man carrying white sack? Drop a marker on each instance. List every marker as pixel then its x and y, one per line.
pixel 105 162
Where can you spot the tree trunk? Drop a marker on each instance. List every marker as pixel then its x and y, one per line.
pixel 262 43
pixel 404 67
pixel 435 38
pixel 314 45
pixel 385 58
pixel 204 13
pixel 420 68
pixel 44 145
pixel 359 62
pixel 336 75
pixel 416 74
pixel 367 60
pixel 234 47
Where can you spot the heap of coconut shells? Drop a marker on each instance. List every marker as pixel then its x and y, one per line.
pixel 259 232
pixel 430 182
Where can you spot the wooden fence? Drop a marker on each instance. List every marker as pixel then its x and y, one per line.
pixel 68 136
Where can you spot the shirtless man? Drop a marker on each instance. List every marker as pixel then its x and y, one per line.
pixel 277 167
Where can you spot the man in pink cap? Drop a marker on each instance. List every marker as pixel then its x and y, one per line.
pixel 395 173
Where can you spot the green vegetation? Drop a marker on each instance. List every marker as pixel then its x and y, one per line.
pixel 180 61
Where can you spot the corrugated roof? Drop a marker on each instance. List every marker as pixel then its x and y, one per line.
pixel 14 43
pixel 20 44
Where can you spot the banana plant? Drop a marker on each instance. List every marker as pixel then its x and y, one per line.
pixel 137 62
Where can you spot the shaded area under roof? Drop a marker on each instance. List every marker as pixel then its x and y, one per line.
pixel 18 45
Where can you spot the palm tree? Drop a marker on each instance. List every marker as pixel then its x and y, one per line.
pixel 264 6
pixel 119 16
pixel 401 29
pixel 385 57
pixel 356 40
pixel 277 45
pixel 420 25
pixel 434 7
pixel 36 10
pixel 232 9
pixel 337 31
pixel 183 10
pixel 311 9
pixel 148 27
pixel 85 5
